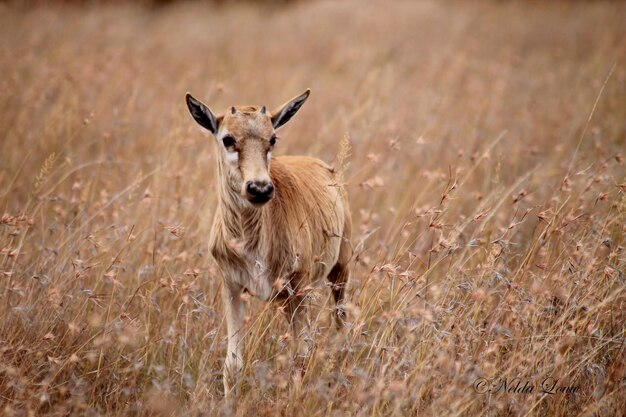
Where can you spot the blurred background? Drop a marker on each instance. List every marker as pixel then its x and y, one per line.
pixel 486 179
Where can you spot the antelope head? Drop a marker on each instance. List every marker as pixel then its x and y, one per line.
pixel 245 137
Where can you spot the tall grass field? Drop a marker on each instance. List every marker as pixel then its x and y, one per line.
pixel 483 149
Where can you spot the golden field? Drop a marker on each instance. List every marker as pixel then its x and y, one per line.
pixel 486 177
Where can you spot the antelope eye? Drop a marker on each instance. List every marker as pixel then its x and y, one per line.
pixel 228 141
pixel 273 140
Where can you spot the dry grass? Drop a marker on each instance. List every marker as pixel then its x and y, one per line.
pixel 489 205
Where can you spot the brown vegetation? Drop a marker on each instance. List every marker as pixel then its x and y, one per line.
pixel 486 181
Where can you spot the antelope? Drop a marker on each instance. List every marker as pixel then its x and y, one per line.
pixel 281 224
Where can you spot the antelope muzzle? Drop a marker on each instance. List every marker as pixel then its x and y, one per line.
pixel 259 192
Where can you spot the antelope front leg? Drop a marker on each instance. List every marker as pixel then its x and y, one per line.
pixel 300 330
pixel 235 308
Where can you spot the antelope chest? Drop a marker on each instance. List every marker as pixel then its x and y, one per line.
pixel 250 271
pixel 264 273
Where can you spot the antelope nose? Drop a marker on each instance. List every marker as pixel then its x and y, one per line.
pixel 259 191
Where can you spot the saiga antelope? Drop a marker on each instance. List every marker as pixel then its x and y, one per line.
pixel 281 224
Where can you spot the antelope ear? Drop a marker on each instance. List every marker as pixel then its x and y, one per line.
pixel 202 114
pixel 285 112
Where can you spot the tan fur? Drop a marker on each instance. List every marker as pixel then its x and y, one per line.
pixel 299 232
pixel 279 250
